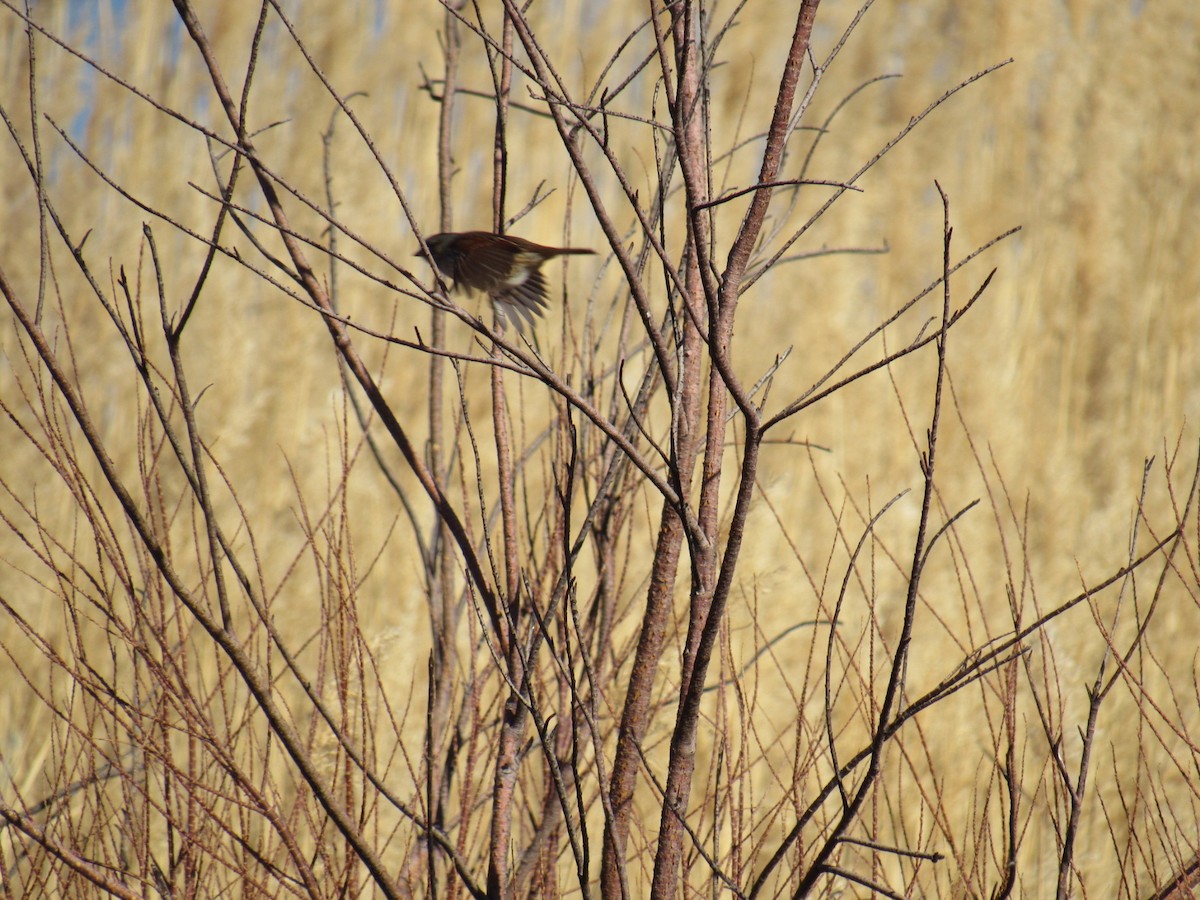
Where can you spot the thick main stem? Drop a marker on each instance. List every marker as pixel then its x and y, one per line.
pixel 713 580
pixel 685 450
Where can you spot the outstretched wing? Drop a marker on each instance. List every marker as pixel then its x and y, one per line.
pixel 522 302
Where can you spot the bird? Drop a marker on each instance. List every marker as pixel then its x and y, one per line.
pixel 506 268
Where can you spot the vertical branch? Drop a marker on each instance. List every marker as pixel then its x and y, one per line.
pixel 635 715
pixel 443 603
pixel 39 181
pixel 898 675
pixel 683 88
pixel 450 52
pixel 188 409
pixel 500 143
pixel 508 511
pixel 512 729
pixel 1096 694
pixel 690 134
pixel 1011 778
pixel 712 581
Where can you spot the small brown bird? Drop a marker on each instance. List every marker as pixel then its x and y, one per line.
pixel 506 268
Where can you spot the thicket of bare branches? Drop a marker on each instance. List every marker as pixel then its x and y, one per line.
pixel 598 701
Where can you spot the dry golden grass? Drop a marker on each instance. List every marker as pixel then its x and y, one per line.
pixel 1081 362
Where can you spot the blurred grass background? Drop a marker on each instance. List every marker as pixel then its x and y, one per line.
pixel 1081 362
